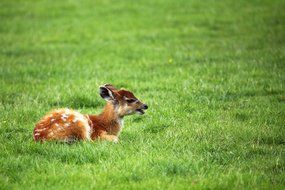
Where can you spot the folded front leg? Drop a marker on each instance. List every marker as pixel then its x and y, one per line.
pixel 111 138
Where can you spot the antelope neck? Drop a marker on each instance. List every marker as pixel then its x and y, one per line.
pixel 110 115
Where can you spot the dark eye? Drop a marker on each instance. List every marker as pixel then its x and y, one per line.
pixel 131 100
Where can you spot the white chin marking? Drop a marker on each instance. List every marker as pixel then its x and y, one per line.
pixel 140 113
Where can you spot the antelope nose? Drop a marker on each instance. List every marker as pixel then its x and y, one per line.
pixel 145 106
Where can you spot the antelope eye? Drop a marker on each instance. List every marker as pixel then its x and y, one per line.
pixel 131 100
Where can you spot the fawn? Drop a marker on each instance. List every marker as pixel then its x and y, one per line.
pixel 69 125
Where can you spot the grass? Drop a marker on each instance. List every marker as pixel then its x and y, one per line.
pixel 212 73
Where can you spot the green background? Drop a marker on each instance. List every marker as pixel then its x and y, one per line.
pixel 212 73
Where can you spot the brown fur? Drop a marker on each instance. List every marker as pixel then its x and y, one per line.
pixel 69 125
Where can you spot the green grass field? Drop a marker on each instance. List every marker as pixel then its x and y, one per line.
pixel 212 73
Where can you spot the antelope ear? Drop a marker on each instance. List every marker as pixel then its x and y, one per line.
pixel 110 87
pixel 106 93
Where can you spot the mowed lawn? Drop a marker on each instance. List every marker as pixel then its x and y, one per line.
pixel 212 73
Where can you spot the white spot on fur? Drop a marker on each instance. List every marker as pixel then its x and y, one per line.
pixel 84 121
pixel 51 134
pixel 64 115
pixel 67 124
pixel 38 130
pixel 37 134
pixel 67 111
pixel 78 117
pixel 59 130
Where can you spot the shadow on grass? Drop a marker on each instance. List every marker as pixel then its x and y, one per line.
pixel 9 98
pixel 270 140
pixel 281 99
pixel 156 128
pixel 71 153
pixel 14 133
pixel 137 119
pixel 241 116
pixel 172 168
pixel 232 96
pixel 77 102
